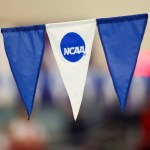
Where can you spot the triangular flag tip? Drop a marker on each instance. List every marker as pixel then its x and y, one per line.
pixel 29 111
pixel 28 117
pixel 75 113
pixel 122 107
pixel 75 109
pixel 71 44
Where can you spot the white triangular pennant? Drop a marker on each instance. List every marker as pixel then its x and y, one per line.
pixel 72 43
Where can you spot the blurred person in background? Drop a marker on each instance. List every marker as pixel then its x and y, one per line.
pixel 46 80
pixel 26 134
pixel 145 126
pixel 5 143
pixel 46 95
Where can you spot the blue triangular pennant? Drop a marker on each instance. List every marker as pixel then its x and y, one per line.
pixel 121 39
pixel 24 47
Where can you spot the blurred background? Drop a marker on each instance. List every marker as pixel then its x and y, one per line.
pixel 100 125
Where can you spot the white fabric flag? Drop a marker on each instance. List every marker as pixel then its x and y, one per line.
pixel 72 43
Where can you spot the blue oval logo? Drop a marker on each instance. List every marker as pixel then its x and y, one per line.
pixel 72 47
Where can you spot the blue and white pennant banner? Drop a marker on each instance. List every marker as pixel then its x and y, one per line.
pixel 72 44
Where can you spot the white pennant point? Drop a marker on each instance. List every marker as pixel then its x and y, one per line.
pixel 75 109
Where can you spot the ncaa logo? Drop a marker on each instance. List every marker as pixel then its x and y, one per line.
pixel 72 47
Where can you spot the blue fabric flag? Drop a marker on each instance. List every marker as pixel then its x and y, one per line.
pixel 121 39
pixel 24 48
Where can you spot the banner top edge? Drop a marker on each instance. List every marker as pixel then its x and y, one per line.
pixel 122 18
pixel 23 28
pixel 68 23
